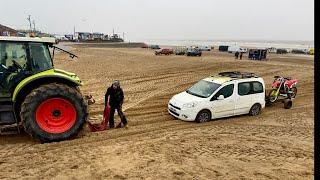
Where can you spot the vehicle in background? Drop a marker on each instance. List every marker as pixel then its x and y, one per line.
pixel 180 50
pixel 205 48
pixel 311 51
pixel 299 51
pixel 155 47
pixel 233 49
pixel 194 52
pixel 61 38
pixel 282 51
pixel 257 54
pixel 144 45
pixel 272 50
pixel 165 51
pixel 222 95
pixel 223 48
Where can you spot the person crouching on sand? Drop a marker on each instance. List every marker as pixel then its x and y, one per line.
pixel 114 96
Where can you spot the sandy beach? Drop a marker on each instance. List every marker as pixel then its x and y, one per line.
pixel 278 144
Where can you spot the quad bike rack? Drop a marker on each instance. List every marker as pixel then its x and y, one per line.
pixel 286 96
pixel 287 102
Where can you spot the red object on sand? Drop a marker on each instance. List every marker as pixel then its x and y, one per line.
pixel 103 125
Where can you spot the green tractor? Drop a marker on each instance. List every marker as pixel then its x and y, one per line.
pixel 46 101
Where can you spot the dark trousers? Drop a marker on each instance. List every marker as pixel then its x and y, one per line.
pixel 120 113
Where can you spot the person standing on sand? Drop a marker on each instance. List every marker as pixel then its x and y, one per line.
pixel 236 55
pixel 114 96
pixel 241 55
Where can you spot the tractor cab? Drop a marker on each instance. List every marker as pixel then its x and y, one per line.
pixel 45 101
pixel 20 58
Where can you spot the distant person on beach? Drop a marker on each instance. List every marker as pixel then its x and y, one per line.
pixel 114 96
pixel 241 55
pixel 236 55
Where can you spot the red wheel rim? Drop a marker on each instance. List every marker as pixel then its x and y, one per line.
pixel 56 115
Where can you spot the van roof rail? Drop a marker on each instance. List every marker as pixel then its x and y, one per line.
pixel 237 74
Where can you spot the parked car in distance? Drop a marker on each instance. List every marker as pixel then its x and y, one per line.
pixel 223 48
pixel 180 50
pixel 222 95
pixel 155 47
pixel 165 51
pixel 194 52
pixel 144 45
pixel 298 51
pixel 282 51
pixel 272 50
pixel 233 49
pixel 205 48
pixel 311 51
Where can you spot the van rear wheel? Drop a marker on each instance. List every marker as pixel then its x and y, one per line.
pixel 203 116
pixel 255 110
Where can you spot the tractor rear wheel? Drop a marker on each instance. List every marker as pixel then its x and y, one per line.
pixel 53 112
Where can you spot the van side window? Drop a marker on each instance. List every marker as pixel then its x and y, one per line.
pixel 244 88
pixel 257 87
pixel 226 91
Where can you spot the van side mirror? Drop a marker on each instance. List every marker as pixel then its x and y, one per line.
pixel 221 97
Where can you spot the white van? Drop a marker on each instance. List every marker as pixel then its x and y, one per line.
pixel 227 94
pixel 233 49
pixel 205 48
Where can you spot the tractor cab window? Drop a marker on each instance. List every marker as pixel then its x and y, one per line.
pixel 13 55
pixel 13 62
pixel 40 57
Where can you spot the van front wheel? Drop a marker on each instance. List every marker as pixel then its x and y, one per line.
pixel 203 116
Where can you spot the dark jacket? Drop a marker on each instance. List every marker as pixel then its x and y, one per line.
pixel 116 97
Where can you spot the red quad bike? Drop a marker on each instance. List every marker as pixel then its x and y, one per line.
pixel 285 87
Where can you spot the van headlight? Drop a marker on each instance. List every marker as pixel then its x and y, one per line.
pixel 190 105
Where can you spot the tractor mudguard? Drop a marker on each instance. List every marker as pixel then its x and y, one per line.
pixel 52 73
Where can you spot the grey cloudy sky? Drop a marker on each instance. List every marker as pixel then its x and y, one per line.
pixel 168 19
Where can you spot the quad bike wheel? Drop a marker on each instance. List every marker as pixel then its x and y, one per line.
pixel 53 112
pixel 287 103
pixel 203 116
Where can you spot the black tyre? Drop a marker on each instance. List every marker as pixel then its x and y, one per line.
pixel 53 112
pixel 287 103
pixel 203 116
pixel 255 110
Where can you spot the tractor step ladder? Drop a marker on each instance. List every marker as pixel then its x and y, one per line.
pixel 9 129
pixel 12 128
